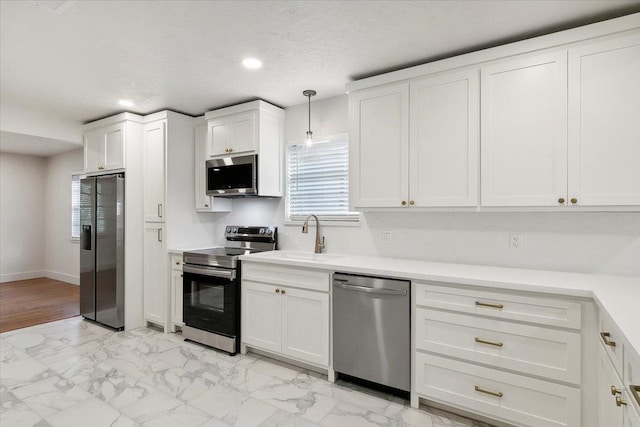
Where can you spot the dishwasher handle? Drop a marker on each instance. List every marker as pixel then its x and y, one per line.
pixel 383 291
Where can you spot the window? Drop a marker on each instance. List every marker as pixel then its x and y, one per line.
pixel 318 180
pixel 75 206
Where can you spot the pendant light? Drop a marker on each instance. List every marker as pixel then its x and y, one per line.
pixel 309 139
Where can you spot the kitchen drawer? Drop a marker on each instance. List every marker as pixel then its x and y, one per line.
pixel 611 339
pixel 544 311
pixel 176 262
pixel 529 349
pixel 632 376
pixel 508 397
pixel 303 278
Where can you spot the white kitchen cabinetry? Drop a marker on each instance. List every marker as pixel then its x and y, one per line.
pixel 255 127
pixel 104 148
pixel 443 140
pixel 415 144
pixel 203 202
pixel 154 160
pixel 604 122
pixel 524 131
pixel 379 147
pixel 155 274
pixel 286 311
pixel 514 364
pixel 176 291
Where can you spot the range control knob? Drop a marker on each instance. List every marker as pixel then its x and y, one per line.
pixel 269 231
pixel 235 229
pixel 261 231
pixel 228 229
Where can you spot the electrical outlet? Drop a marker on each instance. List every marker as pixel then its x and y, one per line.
pixel 385 236
pixel 515 241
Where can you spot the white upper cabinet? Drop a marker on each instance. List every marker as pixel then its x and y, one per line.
pixel 204 203
pixel 104 148
pixel 154 160
pixel 443 140
pixel 524 131
pixel 604 123
pixel 379 147
pixel 233 134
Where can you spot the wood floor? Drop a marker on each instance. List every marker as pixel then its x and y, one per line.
pixel 32 302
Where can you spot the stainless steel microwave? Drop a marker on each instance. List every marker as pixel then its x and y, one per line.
pixel 233 176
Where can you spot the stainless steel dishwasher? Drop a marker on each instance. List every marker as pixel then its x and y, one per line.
pixel 372 329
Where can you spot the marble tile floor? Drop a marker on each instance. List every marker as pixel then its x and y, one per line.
pixel 74 373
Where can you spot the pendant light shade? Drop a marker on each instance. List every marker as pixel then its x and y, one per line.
pixel 309 139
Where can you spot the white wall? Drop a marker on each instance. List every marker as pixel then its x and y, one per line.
pixel 38 123
pixel 62 256
pixel 588 242
pixel 22 205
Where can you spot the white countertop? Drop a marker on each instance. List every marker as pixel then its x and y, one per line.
pixel 619 296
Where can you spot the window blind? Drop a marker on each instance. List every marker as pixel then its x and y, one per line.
pixel 318 181
pixel 75 206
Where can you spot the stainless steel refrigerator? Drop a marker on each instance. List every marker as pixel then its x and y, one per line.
pixel 102 249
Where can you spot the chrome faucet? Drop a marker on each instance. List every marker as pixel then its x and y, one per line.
pixel 305 229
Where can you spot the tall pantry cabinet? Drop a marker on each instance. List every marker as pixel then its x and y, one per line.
pixel 162 131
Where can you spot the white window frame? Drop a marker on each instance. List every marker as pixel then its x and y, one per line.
pixel 341 220
pixel 75 206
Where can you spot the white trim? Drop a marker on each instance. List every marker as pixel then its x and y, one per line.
pixel 12 277
pixel 68 278
pixel 326 223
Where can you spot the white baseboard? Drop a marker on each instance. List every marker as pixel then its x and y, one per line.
pixel 12 277
pixel 74 280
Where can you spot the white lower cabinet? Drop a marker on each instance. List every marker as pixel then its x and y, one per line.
pixel 286 320
pixel 509 356
pixel 176 291
pixel 513 398
pixel 155 298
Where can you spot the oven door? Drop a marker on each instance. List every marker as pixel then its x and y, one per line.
pixel 211 299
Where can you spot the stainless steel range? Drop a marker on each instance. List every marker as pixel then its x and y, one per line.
pixel 211 287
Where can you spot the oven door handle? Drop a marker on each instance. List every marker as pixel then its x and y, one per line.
pixel 209 271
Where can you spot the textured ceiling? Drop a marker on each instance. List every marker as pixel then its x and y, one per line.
pixel 77 59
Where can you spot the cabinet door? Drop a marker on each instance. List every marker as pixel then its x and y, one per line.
pixel 631 417
pixel 176 300
pixel 220 135
pixel 444 140
pixel 608 413
pixel 245 133
pixel 261 317
pixel 379 147
pixel 604 123
pixel 154 170
pixel 524 131
pixel 305 325
pixel 104 148
pixel 155 274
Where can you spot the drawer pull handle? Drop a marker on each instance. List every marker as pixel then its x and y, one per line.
pixel 620 402
pixel 486 304
pixel 635 390
pixel 481 341
pixel 492 393
pixel 605 339
pixel 614 390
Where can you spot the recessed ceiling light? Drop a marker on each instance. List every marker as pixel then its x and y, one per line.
pixel 126 103
pixel 252 63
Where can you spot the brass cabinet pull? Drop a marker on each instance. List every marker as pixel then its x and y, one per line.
pixel 177 262
pixel 614 390
pixel 561 200
pixel 277 291
pixel 574 200
pixel 605 338
pixel 182 275
pixel 486 304
pixel 481 341
pixel 283 292
pixel 404 203
pixel 411 202
pixel 492 393
pixel 206 206
pixel 620 402
pixel 635 389
pixel 230 150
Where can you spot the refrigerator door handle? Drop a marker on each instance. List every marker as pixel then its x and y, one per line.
pixel 86 237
